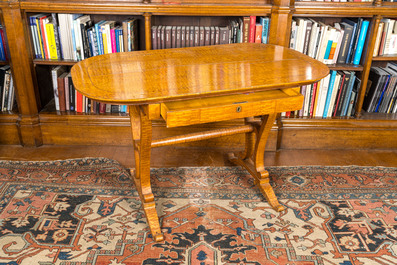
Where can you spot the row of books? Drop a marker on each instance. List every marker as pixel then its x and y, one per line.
pixel 386 38
pixel 4 56
pixel 333 96
pixel 67 98
pixel 381 93
pixel 7 89
pixel 76 36
pixel 341 43
pixel 246 29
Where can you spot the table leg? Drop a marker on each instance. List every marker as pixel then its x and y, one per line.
pixel 141 127
pixel 254 161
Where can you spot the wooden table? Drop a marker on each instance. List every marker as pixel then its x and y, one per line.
pixel 199 85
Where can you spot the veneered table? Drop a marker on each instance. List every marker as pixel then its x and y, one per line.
pixel 197 85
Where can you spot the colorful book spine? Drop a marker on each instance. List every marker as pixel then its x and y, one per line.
pixel 329 93
pixel 52 46
pixel 252 29
pixel 360 43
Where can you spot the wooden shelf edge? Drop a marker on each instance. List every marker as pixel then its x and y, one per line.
pixel 100 7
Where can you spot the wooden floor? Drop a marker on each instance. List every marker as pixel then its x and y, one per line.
pixel 193 156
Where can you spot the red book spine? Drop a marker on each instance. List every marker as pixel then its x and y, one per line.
pixel 44 37
pixel 79 102
pixel 252 29
pixel 4 45
pixel 258 33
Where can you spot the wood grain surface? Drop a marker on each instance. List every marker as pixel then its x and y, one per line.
pixel 171 74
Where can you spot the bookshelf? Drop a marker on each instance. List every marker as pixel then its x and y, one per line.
pixel 37 122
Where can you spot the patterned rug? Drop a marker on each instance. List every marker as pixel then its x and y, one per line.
pixel 86 211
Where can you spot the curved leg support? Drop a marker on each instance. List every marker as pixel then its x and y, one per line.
pixel 142 137
pixel 255 166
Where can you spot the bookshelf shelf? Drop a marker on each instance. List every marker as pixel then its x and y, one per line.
pixel 346 67
pixel 389 57
pixel 54 62
pixel 37 122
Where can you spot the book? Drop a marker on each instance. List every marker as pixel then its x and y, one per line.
pixel 377 77
pixel 345 43
pixel 246 28
pixel 3 70
pixel 154 36
pixel 61 90
pixel 55 73
pixel 258 33
pixel 360 42
pixel 346 99
pixel 307 35
pixel 56 35
pixel 352 39
pixel 11 95
pixel 35 37
pixel 265 22
pixel 322 96
pixel 52 46
pixel 329 93
pixel 338 93
pixel 388 29
pixel 334 93
pixel 353 98
pixel 378 38
pixel 292 39
pixel 6 89
pixel 384 104
pixel 313 38
pixel 342 93
pixel 252 30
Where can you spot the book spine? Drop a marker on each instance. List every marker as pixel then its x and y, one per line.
pixel 348 95
pixel 329 93
pixel 344 46
pixel 51 41
pixel 61 93
pixel 351 44
pixel 252 29
pixel 44 37
pixel 360 43
pixel 258 33
pixel 113 40
pixel 66 86
pixel 56 34
pixel 55 88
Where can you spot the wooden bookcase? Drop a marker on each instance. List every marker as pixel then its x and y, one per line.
pixel 35 123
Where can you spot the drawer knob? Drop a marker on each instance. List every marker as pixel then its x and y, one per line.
pixel 238 109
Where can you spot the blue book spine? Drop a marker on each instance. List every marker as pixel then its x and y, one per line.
pixel 98 32
pixel 264 21
pixel 383 92
pixel 360 44
pixel 2 53
pixel 348 95
pixel 329 93
pixel 90 41
pixel 328 50
pixel 349 52
pixel 117 34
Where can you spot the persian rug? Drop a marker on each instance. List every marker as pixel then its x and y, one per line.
pixel 86 211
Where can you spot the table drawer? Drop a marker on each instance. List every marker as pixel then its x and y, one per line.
pixel 221 108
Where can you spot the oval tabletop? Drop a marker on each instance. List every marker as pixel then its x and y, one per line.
pixel 170 74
